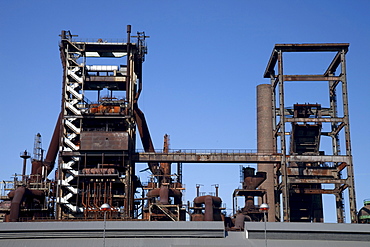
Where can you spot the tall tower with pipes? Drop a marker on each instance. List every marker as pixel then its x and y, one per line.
pixel 101 85
pixel 306 166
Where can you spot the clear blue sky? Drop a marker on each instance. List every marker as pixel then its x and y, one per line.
pixel 200 76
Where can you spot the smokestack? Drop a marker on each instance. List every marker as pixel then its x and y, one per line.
pixel 265 143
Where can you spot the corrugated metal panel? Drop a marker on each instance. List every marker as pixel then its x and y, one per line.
pixel 180 234
pixel 114 229
pixel 308 231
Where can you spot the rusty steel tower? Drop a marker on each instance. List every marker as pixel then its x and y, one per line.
pixel 306 166
pixel 101 85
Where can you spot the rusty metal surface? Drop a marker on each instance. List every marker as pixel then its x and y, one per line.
pixel 330 47
pixel 318 158
pixel 233 158
pixel 197 156
pixel 314 120
pixel 242 192
pixel 251 188
pixel 106 79
pixel 334 64
pixel 310 78
pixel 304 152
pixel 207 158
pixel 312 171
pixel 145 137
pixel 314 191
pixel 309 47
pixel 316 181
pixel 53 146
pixel 324 112
pixel 103 140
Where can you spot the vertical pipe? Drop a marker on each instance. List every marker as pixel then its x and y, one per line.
pixel 24 167
pixel 17 197
pixel 198 186
pixel 24 156
pixel 179 172
pixel 208 208
pixel 132 190
pixel 88 198
pixel 78 184
pixel 83 199
pixel 164 195
pixel 105 225
pixel 129 190
pixel 235 204
pixel 94 195
pixel 105 192
pixel 110 194
pixel 166 167
pixel 99 197
pixel 265 142
pixel 264 219
pixel 128 69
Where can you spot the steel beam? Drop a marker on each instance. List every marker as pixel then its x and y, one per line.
pixel 313 120
pixel 311 78
pixel 207 157
pixel 332 47
pixel 318 158
pixel 316 181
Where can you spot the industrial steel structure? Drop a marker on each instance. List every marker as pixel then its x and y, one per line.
pixel 98 127
pixel 95 140
pixel 301 171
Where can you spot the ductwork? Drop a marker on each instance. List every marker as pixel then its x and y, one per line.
pixel 53 147
pixel 18 196
pixel 164 193
pixel 48 163
pixel 212 210
pixel 146 139
pixel 240 219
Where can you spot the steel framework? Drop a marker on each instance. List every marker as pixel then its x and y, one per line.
pixel 98 131
pixel 300 178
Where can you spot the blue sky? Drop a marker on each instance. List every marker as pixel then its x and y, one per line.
pixel 205 60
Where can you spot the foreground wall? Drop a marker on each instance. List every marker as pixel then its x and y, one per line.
pixel 119 233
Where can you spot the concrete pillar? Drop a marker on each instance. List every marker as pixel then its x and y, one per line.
pixel 265 143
